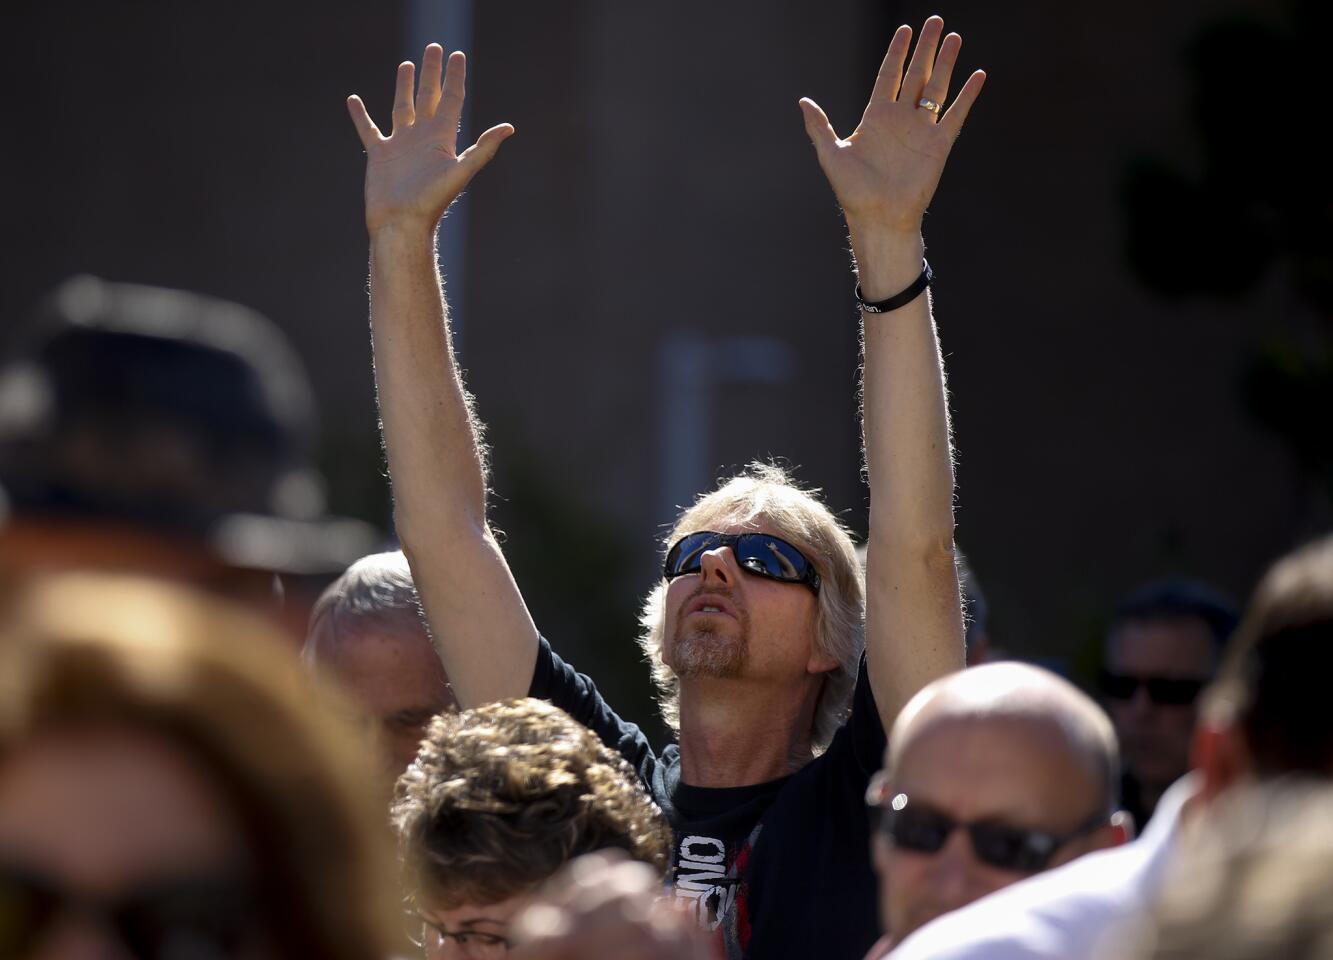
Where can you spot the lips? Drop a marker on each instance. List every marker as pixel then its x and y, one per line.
pixel 712 603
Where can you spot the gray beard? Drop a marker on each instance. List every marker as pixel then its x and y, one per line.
pixel 702 651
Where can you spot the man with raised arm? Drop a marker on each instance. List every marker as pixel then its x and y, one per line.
pixel 780 671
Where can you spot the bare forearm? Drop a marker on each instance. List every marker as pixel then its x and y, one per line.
pixel 908 453
pixel 480 624
pixel 914 621
pixel 436 460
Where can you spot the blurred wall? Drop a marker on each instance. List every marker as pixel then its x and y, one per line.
pixel 656 283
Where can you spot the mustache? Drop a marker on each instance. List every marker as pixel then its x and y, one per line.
pixel 725 593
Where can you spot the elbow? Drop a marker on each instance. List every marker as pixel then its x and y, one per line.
pixel 929 542
pixel 443 530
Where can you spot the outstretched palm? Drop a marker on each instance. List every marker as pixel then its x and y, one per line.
pixel 416 172
pixel 887 170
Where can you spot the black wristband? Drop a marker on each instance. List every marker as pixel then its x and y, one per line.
pixel 898 299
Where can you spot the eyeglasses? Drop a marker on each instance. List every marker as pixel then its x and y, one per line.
pixel 916 827
pixel 1163 691
pixel 757 553
pixel 474 944
pixel 210 916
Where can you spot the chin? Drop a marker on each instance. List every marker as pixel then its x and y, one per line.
pixel 703 651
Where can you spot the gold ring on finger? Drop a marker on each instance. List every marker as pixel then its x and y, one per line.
pixel 925 103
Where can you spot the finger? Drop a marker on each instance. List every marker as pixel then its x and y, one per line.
pixel 403 113
pixel 365 127
pixel 455 86
pixel 428 87
pixel 956 114
pixel 483 151
pixel 923 58
pixel 891 69
pixel 937 88
pixel 818 128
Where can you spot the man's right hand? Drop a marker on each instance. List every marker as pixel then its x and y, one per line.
pixel 415 173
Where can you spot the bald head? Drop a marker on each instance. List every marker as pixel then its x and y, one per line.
pixel 368 632
pixel 1021 696
pixel 1005 745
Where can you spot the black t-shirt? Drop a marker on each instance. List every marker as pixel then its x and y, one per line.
pixel 778 869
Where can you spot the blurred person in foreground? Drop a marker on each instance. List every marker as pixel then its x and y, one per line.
pixel 757 627
pixel 991 775
pixel 605 905
pixel 1162 648
pixel 173 786
pixel 1265 718
pixel 500 798
pixel 368 632
pixel 168 433
pixel 1255 882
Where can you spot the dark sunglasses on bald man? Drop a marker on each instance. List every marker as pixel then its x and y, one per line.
pixel 757 553
pixel 194 916
pixel 923 829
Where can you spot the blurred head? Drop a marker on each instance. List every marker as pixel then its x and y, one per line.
pixel 1266 715
pixel 1162 648
pixel 498 799
pixel 762 629
pixel 367 630
pixel 1013 750
pixel 1252 883
pixel 171 781
pixel 164 432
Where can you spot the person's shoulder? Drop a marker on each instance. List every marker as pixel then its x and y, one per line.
pixel 1061 913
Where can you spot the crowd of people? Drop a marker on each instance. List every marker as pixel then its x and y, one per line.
pixel 855 771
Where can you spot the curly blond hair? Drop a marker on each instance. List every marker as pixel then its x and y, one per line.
pixel 766 492
pixel 503 795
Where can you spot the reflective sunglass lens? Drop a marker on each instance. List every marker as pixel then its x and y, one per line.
pixel 684 556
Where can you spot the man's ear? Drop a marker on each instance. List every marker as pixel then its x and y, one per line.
pixel 879 854
pixel 1220 754
pixel 820 662
pixel 1117 830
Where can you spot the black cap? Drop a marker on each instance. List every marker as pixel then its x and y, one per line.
pixel 171 412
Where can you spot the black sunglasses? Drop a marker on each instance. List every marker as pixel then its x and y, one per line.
pixel 205 916
pixel 922 829
pixel 1163 691
pixel 757 553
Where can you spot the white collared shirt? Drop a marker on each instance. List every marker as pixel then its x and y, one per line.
pixel 1074 912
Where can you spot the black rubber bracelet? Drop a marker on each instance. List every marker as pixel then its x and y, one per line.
pixel 898 299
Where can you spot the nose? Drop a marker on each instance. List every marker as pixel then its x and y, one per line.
pixel 953 872
pixel 1140 705
pixel 715 567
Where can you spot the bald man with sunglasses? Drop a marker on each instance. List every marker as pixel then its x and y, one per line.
pixel 992 775
pixel 757 628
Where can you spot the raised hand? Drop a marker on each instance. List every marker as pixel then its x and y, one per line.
pixel 415 173
pixel 886 172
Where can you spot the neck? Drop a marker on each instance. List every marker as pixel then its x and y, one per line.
pixel 734 733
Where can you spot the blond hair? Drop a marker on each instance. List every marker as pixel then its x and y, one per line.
pixel 767 492
pixel 500 797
